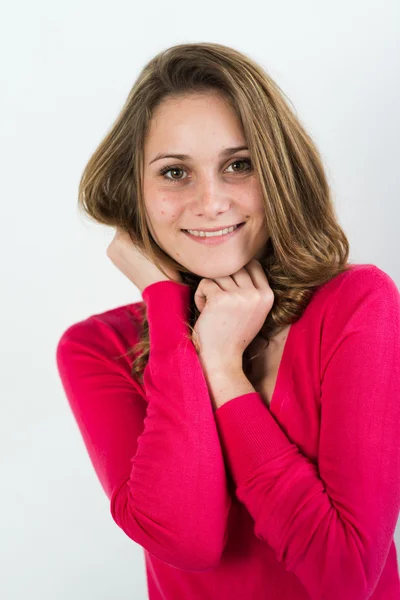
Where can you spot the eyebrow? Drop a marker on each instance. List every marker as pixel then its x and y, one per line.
pixel 225 152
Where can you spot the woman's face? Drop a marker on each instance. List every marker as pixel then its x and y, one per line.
pixel 206 189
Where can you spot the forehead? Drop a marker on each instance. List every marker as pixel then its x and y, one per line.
pixel 181 124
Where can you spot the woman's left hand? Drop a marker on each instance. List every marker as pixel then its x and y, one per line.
pixel 233 310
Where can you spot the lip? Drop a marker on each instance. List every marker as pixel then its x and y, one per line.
pixel 214 228
pixel 216 239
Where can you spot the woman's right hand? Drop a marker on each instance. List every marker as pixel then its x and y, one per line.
pixel 141 271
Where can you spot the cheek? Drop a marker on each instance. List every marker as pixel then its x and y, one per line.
pixel 164 211
pixel 255 192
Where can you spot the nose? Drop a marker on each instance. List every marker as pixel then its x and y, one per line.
pixel 211 198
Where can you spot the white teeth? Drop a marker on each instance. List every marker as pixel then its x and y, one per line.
pixel 212 233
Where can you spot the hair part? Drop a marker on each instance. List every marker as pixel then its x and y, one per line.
pixel 306 247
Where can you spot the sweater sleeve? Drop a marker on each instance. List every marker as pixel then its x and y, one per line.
pixel 331 524
pixel 160 463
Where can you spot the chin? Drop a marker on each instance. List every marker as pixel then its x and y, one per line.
pixel 212 272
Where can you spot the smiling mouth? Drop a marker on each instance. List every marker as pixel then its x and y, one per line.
pixel 236 225
pixel 214 239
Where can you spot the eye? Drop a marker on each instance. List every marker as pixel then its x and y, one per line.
pixel 173 168
pixel 165 170
pixel 242 160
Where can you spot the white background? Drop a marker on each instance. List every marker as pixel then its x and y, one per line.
pixel 67 68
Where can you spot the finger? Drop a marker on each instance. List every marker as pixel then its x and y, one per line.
pixel 204 291
pixel 251 275
pixel 257 274
pixel 242 278
pixel 230 283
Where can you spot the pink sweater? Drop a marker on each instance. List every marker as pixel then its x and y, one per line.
pixel 296 501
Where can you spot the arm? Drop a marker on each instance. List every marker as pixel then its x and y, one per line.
pixel 225 383
pixel 160 464
pixel 331 524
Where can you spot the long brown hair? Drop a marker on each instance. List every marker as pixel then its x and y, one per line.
pixel 306 247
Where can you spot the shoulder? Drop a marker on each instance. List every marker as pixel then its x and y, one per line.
pixel 107 335
pixel 362 301
pixel 360 307
pixel 359 283
pixel 364 276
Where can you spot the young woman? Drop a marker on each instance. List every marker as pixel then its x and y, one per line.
pixel 243 418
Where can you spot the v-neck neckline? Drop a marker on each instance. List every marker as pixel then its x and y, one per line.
pixel 284 370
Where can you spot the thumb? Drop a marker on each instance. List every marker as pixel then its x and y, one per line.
pixel 199 300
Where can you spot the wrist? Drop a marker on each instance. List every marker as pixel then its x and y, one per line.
pixel 226 383
pixel 221 367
